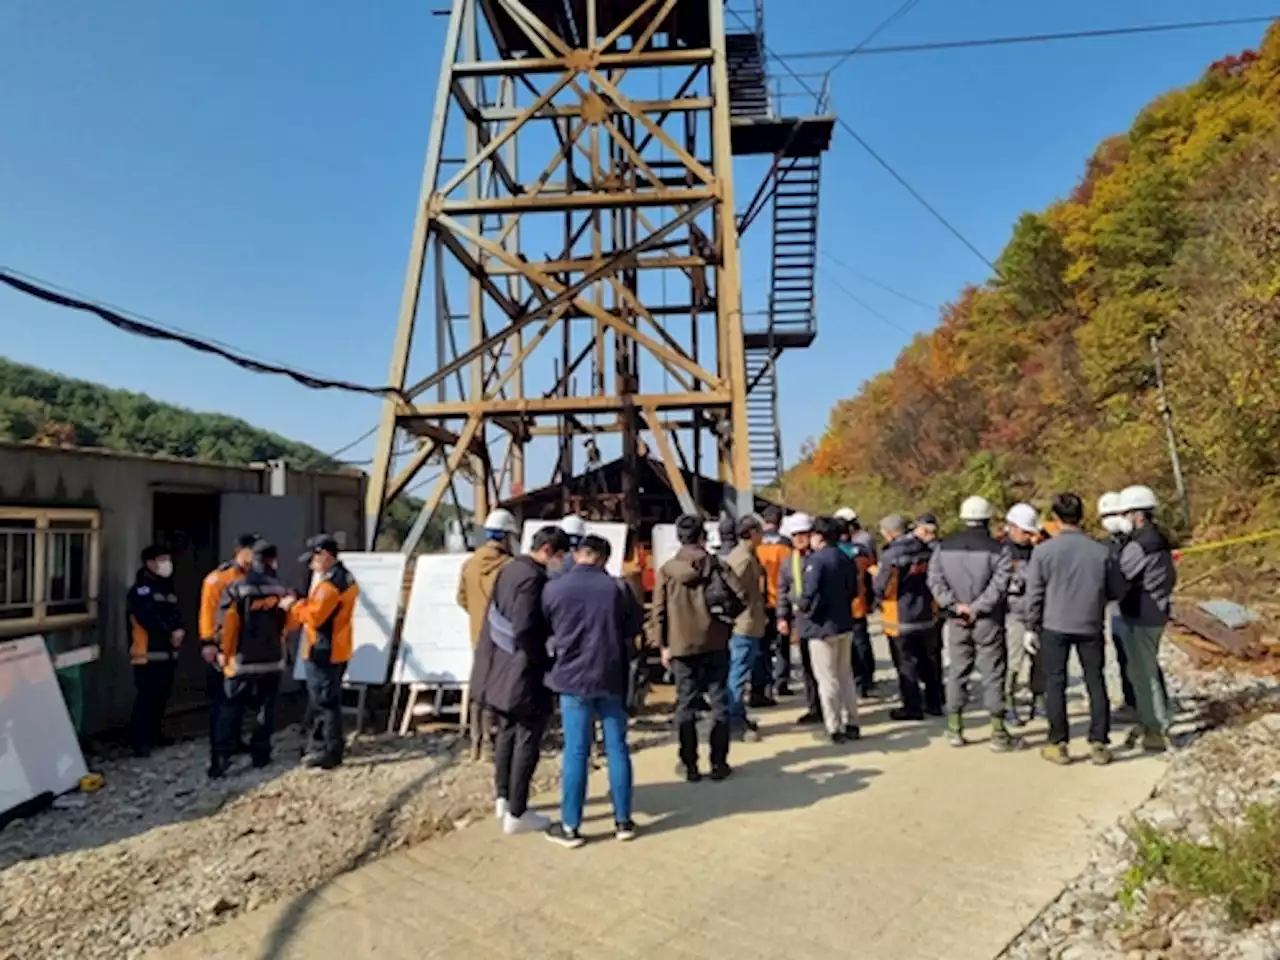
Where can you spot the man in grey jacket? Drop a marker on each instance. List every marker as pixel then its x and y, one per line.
pixel 1070 580
pixel 749 628
pixel 1146 563
pixel 969 579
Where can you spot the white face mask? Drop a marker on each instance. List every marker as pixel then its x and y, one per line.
pixel 1124 525
pixel 164 569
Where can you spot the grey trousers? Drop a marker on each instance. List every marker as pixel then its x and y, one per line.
pixel 980 644
pixel 832 659
pixel 1014 633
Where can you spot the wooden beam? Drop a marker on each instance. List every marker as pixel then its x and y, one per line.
pixel 548 406
pixel 663 443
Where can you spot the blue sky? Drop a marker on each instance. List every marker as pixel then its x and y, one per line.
pixel 248 171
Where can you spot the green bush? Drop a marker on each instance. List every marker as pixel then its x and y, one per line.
pixel 1238 869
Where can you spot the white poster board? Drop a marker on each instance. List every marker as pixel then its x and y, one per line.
pixel 435 645
pixel 665 544
pixel 381 580
pixel 615 533
pixel 39 752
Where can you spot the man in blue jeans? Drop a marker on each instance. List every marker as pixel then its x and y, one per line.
pixel 751 625
pixel 594 622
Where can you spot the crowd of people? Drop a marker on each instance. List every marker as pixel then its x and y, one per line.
pixel 1007 602
pixel 247 614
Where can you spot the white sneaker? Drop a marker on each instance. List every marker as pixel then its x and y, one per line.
pixel 500 808
pixel 530 822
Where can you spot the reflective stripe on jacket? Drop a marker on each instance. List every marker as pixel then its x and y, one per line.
pixel 211 591
pixel 902 587
pixel 326 615
pixel 252 624
pixel 152 616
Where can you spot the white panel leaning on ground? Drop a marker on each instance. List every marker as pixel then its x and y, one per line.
pixel 39 752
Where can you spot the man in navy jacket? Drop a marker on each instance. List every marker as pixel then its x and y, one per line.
pixel 594 621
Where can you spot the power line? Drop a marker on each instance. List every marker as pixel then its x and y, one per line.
pixel 865 51
pixel 142 328
pixel 866 306
pixel 888 167
pixel 880 28
pixel 876 283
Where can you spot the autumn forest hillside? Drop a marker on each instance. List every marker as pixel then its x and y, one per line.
pixel 1042 379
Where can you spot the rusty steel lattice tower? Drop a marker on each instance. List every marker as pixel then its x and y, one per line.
pixel 579 229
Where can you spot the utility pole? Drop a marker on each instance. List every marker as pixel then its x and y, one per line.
pixel 1170 433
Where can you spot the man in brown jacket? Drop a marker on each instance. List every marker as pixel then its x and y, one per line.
pixel 694 645
pixel 750 626
pixel 475 587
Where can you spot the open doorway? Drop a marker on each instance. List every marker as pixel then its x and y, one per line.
pixel 188 524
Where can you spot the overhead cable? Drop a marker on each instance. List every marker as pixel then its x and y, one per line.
pixel 41 291
pixel 865 51
pixel 876 283
pixel 879 28
pixel 866 306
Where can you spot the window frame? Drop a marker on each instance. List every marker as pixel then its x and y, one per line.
pixel 44 518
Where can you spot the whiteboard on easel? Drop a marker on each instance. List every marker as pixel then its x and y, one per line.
pixel 435 644
pixel 615 533
pixel 665 544
pixel 380 577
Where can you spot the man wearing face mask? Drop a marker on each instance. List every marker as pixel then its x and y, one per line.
pixel 475 587
pixel 155 634
pixel 1118 528
pixel 253 619
pixel 327 644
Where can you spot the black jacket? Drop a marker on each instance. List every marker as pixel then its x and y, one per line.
pixel 153 616
pixel 594 620
pixel 902 586
pixel 826 600
pixel 512 661
pixel 252 624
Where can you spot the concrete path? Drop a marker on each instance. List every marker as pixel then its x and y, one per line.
pixel 897 847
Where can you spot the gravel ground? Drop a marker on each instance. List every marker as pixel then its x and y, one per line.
pixel 1220 770
pixel 160 853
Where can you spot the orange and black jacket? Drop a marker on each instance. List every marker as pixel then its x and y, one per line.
pixel 211 591
pixel 902 587
pixel 863 561
pixel 153 616
pixel 773 553
pixel 252 624
pixel 325 617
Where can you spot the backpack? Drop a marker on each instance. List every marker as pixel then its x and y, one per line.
pixel 723 602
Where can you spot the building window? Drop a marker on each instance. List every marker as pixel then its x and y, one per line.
pixel 49 561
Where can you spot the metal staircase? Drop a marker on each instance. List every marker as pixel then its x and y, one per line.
pixel 763 125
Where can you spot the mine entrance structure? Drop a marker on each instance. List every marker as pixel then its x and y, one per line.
pixel 577 221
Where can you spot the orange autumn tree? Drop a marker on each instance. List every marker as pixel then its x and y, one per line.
pixel 1042 378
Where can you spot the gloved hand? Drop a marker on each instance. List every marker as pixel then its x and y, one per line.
pixel 1031 642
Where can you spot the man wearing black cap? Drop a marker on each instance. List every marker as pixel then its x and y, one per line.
pixel 211 591
pixel 252 621
pixel 327 644
pixel 155 634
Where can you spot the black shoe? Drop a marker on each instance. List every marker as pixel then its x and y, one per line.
pixel 321 761
pixel 240 749
pixel 562 835
pixel 624 831
pixel 853 732
pixel 809 719
pixel 690 774
pixel 902 713
pixel 721 771
pixel 141 751
pixel 217 769
pixel 160 740
pixel 782 690
pixel 838 737
pixel 259 762
pixel 935 711
pixel 760 700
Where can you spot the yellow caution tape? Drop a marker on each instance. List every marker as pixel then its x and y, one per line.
pixel 91 782
pixel 1233 542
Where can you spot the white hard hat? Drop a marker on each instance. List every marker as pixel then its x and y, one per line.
pixel 503 520
pixel 1109 504
pixel 573 526
pixel 1023 516
pixel 976 508
pixel 1137 497
pixel 847 514
pixel 800 523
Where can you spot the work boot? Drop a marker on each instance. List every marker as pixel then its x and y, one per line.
pixel 853 732
pixel 721 771
pixel 1056 753
pixel 783 690
pixel 1099 754
pixel 688 772
pixel 956 738
pixel 1153 741
pixel 902 713
pixel 809 719
pixel 1012 717
pixel 1134 737
pixel 1001 740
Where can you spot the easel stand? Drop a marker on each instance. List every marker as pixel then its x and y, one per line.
pixel 418 705
pixel 361 691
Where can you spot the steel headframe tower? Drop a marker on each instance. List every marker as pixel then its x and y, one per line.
pixel 561 191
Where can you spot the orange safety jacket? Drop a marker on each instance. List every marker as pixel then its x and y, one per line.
pixel 211 590
pixel 326 616
pixel 772 554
